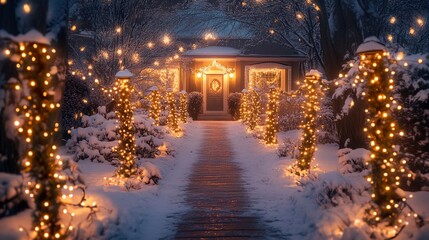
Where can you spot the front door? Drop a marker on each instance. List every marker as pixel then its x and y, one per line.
pixel 214 90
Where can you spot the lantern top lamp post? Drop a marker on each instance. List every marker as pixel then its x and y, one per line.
pixel 153 88
pixel 124 74
pixel 370 46
pixel 312 74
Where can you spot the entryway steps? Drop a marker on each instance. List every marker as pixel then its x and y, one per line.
pixel 214 117
pixel 220 206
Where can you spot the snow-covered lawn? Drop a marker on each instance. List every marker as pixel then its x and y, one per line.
pixel 294 211
pixel 148 213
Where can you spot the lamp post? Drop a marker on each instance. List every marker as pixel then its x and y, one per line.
pixel 124 112
pixel 381 130
pixel 310 108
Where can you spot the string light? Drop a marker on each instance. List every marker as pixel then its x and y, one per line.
pixel 26 7
pixel 310 107
pixel 254 109
pixel 272 112
pixel 155 104
pixel 381 130
pixel 124 113
pixel 38 126
pixel 172 120
pixel 183 106
pixel 244 106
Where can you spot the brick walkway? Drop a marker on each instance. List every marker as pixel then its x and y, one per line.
pixel 216 194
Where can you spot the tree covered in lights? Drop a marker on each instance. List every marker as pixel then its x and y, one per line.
pixel 244 105
pixel 124 112
pixel 254 109
pixel 183 106
pixel 272 112
pixel 155 104
pixel 382 130
pixel 172 118
pixel 38 125
pixel 311 90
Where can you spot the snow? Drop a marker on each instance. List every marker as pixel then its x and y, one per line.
pixel 150 211
pixel 153 88
pixel 31 36
pixel 124 74
pixel 371 44
pixel 327 205
pixel 314 72
pixel 213 51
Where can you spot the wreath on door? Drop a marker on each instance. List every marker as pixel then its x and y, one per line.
pixel 215 86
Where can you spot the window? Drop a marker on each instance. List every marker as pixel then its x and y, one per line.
pixel 263 78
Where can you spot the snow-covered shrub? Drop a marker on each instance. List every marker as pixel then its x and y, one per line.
pixel 147 173
pixel 234 100
pixel 98 137
pixel 290 112
pixel 288 147
pixel 413 95
pixel 194 104
pixel 332 189
pixel 12 198
pixel 325 122
pixel 349 107
pixel 351 161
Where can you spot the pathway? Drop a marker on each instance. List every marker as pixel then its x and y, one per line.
pixel 216 194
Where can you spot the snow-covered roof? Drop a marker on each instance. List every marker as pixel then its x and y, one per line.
pixel 213 51
pixel 124 74
pixel 371 44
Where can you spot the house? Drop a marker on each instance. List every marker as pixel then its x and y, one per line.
pixel 217 71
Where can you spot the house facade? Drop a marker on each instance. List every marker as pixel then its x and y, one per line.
pixel 217 71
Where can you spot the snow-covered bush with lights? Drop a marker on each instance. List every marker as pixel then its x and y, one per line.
pixel 195 103
pixel 234 105
pixel 413 93
pixel 98 137
pixel 326 130
pixel 290 112
pixel 353 160
pixel 288 147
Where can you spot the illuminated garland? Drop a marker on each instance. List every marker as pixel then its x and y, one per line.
pixel 254 109
pixel 244 106
pixel 310 107
pixel 172 119
pixel 386 168
pixel 155 104
pixel 272 112
pixel 124 112
pixel 39 109
pixel 183 106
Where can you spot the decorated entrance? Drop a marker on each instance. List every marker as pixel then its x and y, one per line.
pixel 215 87
pixel 214 90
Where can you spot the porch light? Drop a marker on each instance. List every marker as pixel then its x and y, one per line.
pixel 199 74
pixel 231 75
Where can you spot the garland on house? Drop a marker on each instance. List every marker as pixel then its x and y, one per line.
pixel 172 119
pixel 381 130
pixel 155 104
pixel 244 105
pixel 124 112
pixel 272 122
pixel 254 109
pixel 39 125
pixel 183 106
pixel 310 106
